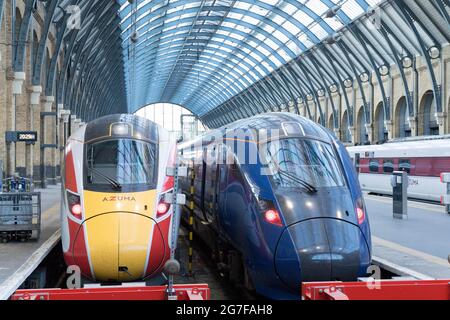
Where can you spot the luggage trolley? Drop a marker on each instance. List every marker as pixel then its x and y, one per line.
pixel 20 211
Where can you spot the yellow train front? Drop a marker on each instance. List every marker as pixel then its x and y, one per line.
pixel 115 223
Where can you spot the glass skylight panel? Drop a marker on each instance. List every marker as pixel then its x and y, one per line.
pixel 256 56
pixel 288 8
pixel 230 43
pixel 318 31
pixel 303 17
pixel 352 9
pixel 248 79
pixel 292 28
pixel 284 54
pixel 267 66
pixel 268 28
pixel 272 58
pixel 142 4
pixel 193 4
pixel 293 47
pixel 271 2
pixel 234 15
pixel 316 6
pixel 260 70
pixel 242 5
pixel 279 20
pixel 271 44
pixel 281 36
pixel 260 10
pixel 335 23
pixel 263 50
pixel 250 20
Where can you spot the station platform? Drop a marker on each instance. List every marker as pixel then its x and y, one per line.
pixel 418 246
pixel 18 260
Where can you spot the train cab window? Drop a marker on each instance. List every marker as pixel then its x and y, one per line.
pixel 374 165
pixel 388 166
pixel 302 163
pixel 404 165
pixel 121 163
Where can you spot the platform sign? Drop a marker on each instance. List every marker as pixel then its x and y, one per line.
pixel 21 136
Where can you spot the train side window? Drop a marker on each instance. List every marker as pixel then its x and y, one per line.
pixel 374 165
pixel 388 166
pixel 404 165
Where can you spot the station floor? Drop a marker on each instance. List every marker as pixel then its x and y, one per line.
pixel 421 242
pixel 17 259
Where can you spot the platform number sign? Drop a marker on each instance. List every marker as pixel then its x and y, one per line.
pixel 21 136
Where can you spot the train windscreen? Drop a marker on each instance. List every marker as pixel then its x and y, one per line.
pixel 121 164
pixel 303 163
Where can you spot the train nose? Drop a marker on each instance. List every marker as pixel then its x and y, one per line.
pixel 320 250
pixel 118 245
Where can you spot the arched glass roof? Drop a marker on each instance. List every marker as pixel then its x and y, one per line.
pixel 199 54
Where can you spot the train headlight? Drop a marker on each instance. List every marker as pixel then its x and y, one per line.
pixel 74 203
pixel 121 129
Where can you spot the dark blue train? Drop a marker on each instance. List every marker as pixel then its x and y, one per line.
pixel 278 201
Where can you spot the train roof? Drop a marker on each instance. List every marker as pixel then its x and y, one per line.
pixel 286 124
pixel 126 126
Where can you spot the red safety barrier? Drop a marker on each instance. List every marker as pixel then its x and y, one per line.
pixel 383 290
pixel 183 292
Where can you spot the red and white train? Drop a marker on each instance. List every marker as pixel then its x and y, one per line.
pixel 423 158
pixel 114 220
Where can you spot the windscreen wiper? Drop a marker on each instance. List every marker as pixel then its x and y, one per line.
pixel 116 185
pixel 309 187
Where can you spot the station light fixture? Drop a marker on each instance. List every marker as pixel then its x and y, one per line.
pixel 348 83
pixel 309 97
pixel 434 52
pixel 334 88
pixel 384 70
pixel 364 77
pixel 407 62
pixel 321 93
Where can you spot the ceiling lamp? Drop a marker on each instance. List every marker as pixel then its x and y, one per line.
pixel 348 83
pixel 434 52
pixel 364 77
pixel 384 70
pixel 407 62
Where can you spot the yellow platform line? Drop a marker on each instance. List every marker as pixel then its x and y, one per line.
pixel 412 252
pixel 50 211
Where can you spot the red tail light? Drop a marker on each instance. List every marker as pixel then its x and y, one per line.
pixel 162 208
pixel 361 215
pixel 74 204
pixel 273 217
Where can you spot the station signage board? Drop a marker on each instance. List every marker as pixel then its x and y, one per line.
pixel 21 136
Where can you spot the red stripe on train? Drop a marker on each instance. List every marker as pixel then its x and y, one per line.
pixel 71 180
pixel 77 254
pixel 160 251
